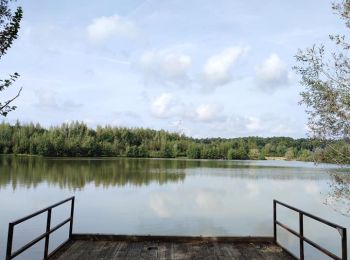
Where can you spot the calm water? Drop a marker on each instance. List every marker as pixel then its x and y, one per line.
pixel 168 197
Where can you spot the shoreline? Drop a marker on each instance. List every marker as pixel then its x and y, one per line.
pixel 267 158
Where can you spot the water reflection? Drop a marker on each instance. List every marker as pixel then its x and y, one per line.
pixel 75 174
pixel 338 197
pixel 169 197
pixel 108 172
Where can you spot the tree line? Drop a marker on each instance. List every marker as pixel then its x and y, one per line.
pixel 76 139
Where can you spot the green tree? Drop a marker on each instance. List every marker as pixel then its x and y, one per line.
pixel 242 153
pixel 231 154
pixel 76 139
pixel 290 155
pixel 193 152
pixel 254 154
pixel 325 76
pixel 305 155
pixel 167 151
pixel 9 26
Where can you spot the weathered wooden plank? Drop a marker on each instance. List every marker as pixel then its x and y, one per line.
pixel 158 249
pixel 92 250
pixel 71 246
pixel 216 251
pixel 195 250
pixel 163 252
pixel 120 251
pixel 273 252
pixel 180 251
pixel 134 250
pixel 149 250
pixel 250 251
pixel 229 251
pixel 108 250
pixel 209 252
pixel 73 252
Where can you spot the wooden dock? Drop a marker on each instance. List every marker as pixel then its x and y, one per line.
pixel 110 247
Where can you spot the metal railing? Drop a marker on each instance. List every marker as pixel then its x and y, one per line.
pixel 46 235
pixel 301 236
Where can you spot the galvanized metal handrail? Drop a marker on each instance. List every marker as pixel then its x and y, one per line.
pixel 300 234
pixel 46 235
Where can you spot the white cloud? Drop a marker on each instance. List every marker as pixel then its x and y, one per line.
pixel 271 124
pixel 254 124
pixel 48 99
pixel 262 125
pixel 166 66
pixel 175 65
pixel 105 27
pixel 165 105
pixel 208 112
pixel 272 74
pixel 217 70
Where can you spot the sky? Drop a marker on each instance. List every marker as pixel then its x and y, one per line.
pixel 204 68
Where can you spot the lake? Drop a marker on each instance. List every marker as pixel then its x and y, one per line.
pixel 169 197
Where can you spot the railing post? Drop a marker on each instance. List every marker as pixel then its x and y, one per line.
pixel 344 245
pixel 9 242
pixel 47 238
pixel 274 222
pixel 301 233
pixel 72 218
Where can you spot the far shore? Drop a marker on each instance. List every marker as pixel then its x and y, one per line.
pixel 267 158
pixel 276 158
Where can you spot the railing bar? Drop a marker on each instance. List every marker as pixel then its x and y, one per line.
pixel 61 202
pixel 30 244
pixel 40 211
pixel 60 225
pixel 47 238
pixel 274 221
pixel 72 218
pixel 36 240
pixel 58 248
pixel 344 244
pixel 301 232
pixel 18 221
pixel 288 228
pixel 9 242
pixel 310 215
pixel 325 251
pixel 321 220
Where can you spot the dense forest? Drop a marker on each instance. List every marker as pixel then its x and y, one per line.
pixel 76 139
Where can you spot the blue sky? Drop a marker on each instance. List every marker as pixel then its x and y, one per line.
pixel 205 68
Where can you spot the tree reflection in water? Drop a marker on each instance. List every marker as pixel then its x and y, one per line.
pixel 338 198
pixel 75 174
